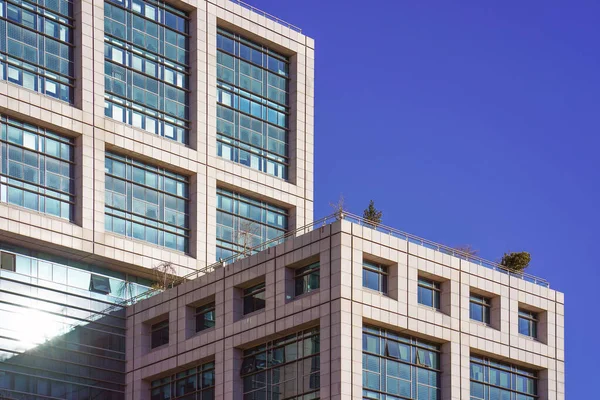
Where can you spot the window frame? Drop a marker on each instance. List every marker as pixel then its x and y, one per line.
pixel 382 272
pixel 485 303
pixel 434 287
pixel 157 334
pixel 514 372
pixel 532 319
pixel 171 383
pixel 251 293
pixel 303 275
pixel 4 256
pixel 202 311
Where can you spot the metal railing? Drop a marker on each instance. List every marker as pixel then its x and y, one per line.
pixel 326 221
pixel 267 15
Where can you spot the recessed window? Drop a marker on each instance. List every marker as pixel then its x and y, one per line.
pixel 491 379
pixel 160 334
pixel 479 308
pixel 528 321
pixel 375 276
pixel 205 317
pixel 7 261
pixel 307 279
pixel 429 293
pixel 254 298
pixel 194 383
pixel 99 284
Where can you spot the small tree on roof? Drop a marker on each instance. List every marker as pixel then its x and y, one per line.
pixel 338 208
pixel 372 215
pixel 516 261
pixel 467 249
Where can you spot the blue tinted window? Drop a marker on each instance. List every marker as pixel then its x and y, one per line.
pixel 498 380
pixel 428 293
pixel 147 67
pixel 375 277
pixel 36 46
pixel 38 168
pixel 528 323
pixel 479 309
pixel 146 202
pixel 252 105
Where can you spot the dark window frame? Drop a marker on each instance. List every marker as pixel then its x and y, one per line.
pixel 7 265
pixel 159 334
pixel 202 311
pixel 251 302
pixel 382 272
pixel 434 287
pixel 485 303
pixel 532 319
pixel 199 380
pixel 302 278
pixel 100 284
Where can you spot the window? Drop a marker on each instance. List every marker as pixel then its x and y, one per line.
pixel 479 308
pixel 99 284
pixel 195 383
pixel 205 317
pixel 497 380
pixel 244 222
pixel 254 298
pixel 7 261
pixel 36 46
pixel 397 366
pixel 375 276
pixel 37 168
pixel 307 279
pixel 528 322
pixel 159 334
pixel 146 202
pixel 287 368
pixel 429 293
pixel 252 105
pixel 147 67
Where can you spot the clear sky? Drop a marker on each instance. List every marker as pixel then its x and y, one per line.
pixel 469 122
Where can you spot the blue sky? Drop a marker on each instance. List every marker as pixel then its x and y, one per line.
pixel 469 122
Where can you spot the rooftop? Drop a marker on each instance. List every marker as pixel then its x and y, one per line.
pixel 267 15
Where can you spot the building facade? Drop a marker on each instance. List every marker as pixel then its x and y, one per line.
pixel 349 312
pixel 135 134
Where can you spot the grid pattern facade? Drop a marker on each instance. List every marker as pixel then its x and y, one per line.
pixel 253 106
pixel 244 222
pixel 196 383
pixel 37 168
pixel 491 380
pixel 146 202
pixel 146 47
pixel 36 46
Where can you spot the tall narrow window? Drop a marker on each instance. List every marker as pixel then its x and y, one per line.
pixel 307 279
pixel 528 323
pixel 36 46
pixel 254 298
pixel 159 334
pixel 479 308
pixel 492 379
pixel 429 293
pixel 37 168
pixel 375 276
pixel 292 365
pixel 146 202
pixel 205 317
pixel 196 383
pixel 147 66
pixel 252 104
pixel 397 366
pixel 244 222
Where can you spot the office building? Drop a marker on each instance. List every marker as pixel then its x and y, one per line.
pixel 144 140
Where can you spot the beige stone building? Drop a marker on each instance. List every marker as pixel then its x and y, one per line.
pixel 143 140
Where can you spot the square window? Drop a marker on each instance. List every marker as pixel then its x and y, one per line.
pixel 99 284
pixel 375 277
pixel 7 261
pixel 428 293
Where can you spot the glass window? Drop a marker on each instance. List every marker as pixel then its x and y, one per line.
pixel 375 276
pixel 159 334
pixel 147 67
pixel 307 279
pixel 244 223
pixel 479 308
pixel 99 284
pixel 36 43
pixel 146 202
pixel 528 321
pixel 7 261
pixel 205 317
pixel 252 105
pixel 195 383
pixel 286 368
pixel 492 379
pixel 397 366
pixel 37 169
pixel 429 293
pixel 254 298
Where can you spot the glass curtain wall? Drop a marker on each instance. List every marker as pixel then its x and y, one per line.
pixel 147 67
pixel 36 46
pixel 244 222
pixel 37 168
pixel 492 380
pixel 62 331
pixel 146 202
pixel 193 384
pixel 252 104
